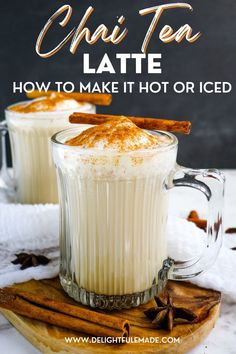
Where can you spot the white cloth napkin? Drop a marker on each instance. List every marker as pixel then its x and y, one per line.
pixel 29 228
pixel 185 241
pixel 34 228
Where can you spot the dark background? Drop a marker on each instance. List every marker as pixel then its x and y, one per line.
pixel 211 58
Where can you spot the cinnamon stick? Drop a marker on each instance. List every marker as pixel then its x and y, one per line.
pixel 144 123
pixel 231 230
pixel 62 314
pixel 201 223
pixel 100 99
pixel 194 217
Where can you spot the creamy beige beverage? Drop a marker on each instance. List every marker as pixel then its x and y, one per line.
pixel 31 125
pixel 113 223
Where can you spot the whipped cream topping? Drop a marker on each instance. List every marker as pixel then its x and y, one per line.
pixel 52 103
pixel 119 135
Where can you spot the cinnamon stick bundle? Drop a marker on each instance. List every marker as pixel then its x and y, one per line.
pixel 100 99
pixel 62 314
pixel 144 123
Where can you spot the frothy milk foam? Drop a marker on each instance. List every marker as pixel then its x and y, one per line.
pixel 31 125
pixel 113 222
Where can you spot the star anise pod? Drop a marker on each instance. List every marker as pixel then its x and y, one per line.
pixel 30 260
pixel 166 314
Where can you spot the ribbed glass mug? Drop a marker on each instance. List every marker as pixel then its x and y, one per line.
pixel 113 213
pixel 30 135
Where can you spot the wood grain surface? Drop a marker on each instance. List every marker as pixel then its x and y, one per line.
pixel 51 339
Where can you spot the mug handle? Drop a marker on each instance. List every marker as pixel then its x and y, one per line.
pixel 7 181
pixel 213 189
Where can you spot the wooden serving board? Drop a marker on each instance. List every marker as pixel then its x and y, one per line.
pixel 51 339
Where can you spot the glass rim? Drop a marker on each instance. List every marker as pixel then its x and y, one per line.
pixel 44 113
pixel 173 143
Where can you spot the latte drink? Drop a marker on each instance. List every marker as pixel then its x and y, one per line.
pixel 31 125
pixel 114 207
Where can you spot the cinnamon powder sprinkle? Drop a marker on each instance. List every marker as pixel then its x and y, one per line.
pixel 46 104
pixel 118 134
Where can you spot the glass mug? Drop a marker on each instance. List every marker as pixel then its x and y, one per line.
pixel 34 172
pixel 113 214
